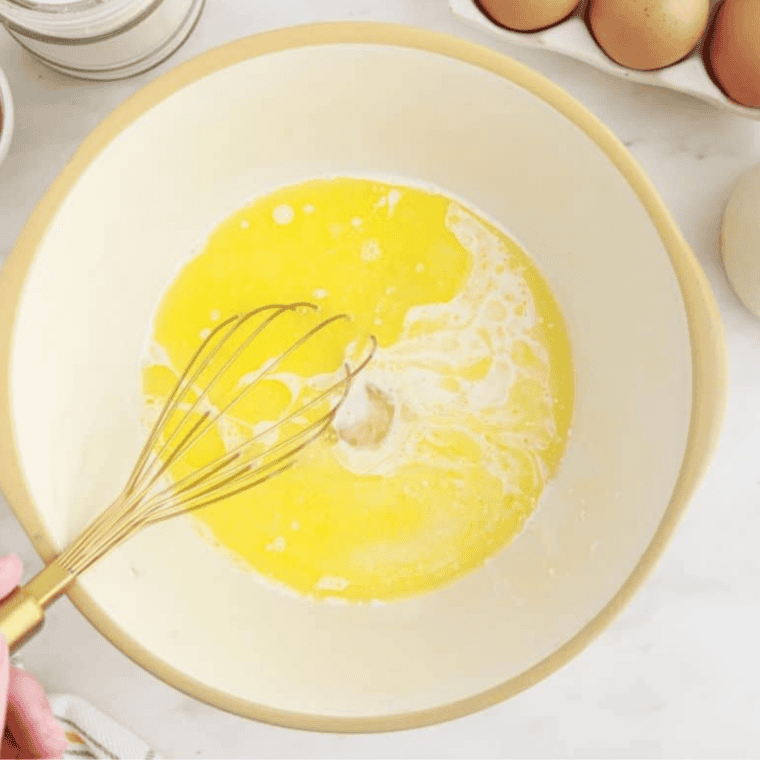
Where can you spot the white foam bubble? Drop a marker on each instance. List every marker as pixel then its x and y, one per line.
pixel 278 545
pixel 394 196
pixel 156 354
pixel 371 250
pixel 332 583
pixel 283 214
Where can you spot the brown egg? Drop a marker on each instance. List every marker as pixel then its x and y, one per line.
pixel 648 34
pixel 528 15
pixel 734 50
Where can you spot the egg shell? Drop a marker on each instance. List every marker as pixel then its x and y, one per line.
pixel 734 51
pixel 528 15
pixel 648 34
pixel 740 240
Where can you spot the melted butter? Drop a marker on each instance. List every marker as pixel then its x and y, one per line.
pixel 442 448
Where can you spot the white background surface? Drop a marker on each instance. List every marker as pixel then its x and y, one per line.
pixel 677 674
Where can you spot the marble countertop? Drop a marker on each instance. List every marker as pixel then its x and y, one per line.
pixel 677 673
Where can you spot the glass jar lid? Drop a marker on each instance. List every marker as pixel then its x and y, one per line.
pixel 74 21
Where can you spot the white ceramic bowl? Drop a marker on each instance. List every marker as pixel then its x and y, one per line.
pixel 6 116
pixel 150 183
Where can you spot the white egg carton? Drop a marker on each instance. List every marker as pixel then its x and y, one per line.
pixel 572 38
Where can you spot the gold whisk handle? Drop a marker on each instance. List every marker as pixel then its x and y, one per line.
pixel 23 612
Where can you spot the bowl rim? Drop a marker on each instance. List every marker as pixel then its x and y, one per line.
pixel 6 116
pixel 707 339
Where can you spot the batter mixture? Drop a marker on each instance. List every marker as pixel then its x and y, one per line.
pixel 442 449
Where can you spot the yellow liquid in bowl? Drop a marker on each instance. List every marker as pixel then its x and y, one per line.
pixel 469 394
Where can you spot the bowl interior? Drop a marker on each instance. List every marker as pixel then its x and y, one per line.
pixel 150 197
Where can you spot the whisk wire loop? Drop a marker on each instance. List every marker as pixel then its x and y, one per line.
pixel 187 381
pixel 152 496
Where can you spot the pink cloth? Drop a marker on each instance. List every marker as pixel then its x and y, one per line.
pixel 31 731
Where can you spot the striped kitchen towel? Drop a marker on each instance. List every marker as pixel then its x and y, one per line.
pixel 94 735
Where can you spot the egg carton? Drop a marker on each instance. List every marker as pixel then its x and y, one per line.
pixel 572 38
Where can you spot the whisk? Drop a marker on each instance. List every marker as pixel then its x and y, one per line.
pixel 151 495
